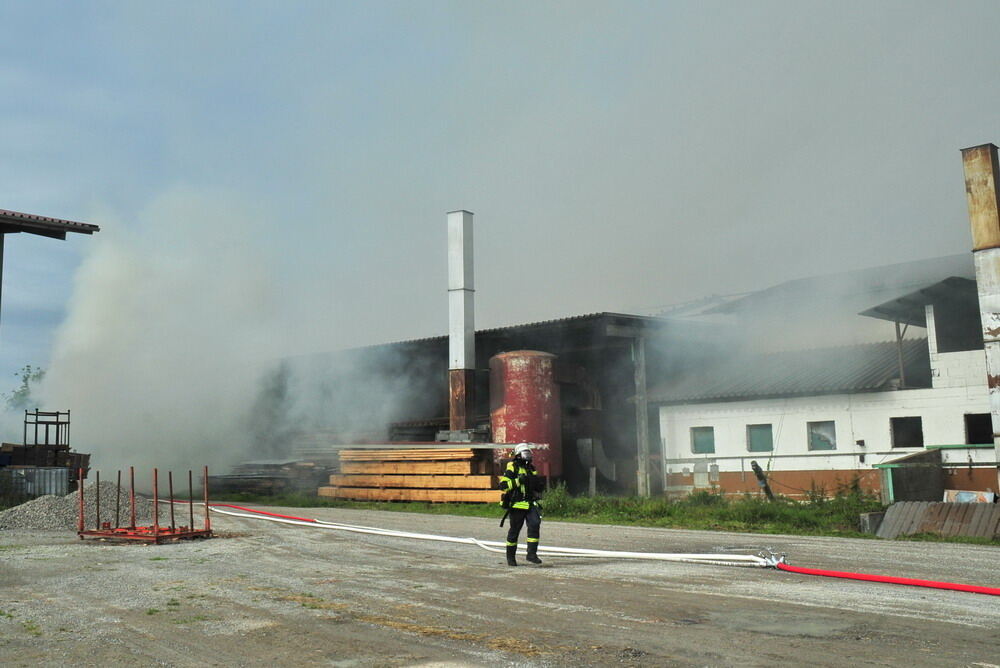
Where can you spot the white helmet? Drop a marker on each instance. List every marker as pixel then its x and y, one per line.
pixel 522 450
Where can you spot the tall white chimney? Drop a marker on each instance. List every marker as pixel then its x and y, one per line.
pixel 462 326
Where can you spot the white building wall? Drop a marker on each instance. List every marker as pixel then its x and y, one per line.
pixel 958 387
pixel 857 417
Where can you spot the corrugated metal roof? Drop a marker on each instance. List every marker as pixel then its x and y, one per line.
pixel 646 320
pixel 855 290
pixel 843 369
pixel 16 221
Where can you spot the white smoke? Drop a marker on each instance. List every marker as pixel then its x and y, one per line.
pixel 167 334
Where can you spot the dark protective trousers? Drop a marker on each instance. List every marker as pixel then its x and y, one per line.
pixel 517 519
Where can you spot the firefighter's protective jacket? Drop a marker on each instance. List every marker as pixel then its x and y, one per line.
pixel 519 483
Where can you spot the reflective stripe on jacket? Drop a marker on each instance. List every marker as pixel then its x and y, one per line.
pixel 519 481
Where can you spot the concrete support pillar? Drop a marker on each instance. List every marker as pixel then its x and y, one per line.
pixel 641 415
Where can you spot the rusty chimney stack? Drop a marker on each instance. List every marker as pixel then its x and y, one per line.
pixel 981 173
pixel 462 326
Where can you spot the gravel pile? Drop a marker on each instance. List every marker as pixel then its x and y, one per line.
pixel 62 512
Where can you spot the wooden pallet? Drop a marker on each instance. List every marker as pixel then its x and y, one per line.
pixel 409 494
pixel 458 475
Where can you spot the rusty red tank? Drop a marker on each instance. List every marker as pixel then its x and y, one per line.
pixel 524 406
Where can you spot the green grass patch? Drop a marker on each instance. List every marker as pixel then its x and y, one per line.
pixel 32 628
pixel 819 515
pixel 152 611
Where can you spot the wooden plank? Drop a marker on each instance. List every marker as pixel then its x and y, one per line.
pixel 951 520
pixel 933 518
pixel 916 514
pixel 888 527
pixel 432 495
pixel 978 521
pixel 407 455
pixel 423 481
pixel 411 468
pixel 893 521
pixel 992 527
pixel 962 519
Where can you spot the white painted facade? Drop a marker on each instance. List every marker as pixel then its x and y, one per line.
pixel 959 388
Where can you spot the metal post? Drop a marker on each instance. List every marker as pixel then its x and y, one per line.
pixel 981 169
pixel 170 482
pixel 641 415
pixel 97 500
pixel 156 505
pixel 899 355
pixel 190 503
pixel 79 484
pixel 131 494
pixel 118 498
pixel 592 483
pixel 208 520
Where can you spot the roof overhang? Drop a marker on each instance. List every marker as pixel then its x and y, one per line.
pixel 909 308
pixel 12 222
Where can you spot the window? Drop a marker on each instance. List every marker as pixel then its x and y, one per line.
pixel 702 440
pixel 759 438
pixel 907 432
pixel 822 435
pixel 978 428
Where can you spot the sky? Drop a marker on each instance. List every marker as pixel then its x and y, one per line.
pixel 271 179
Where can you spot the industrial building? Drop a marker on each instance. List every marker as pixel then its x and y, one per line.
pixel 797 385
pixel 733 381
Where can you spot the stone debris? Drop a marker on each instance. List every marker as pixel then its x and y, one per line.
pixel 61 512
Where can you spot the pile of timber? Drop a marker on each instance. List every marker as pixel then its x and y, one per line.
pixel 422 474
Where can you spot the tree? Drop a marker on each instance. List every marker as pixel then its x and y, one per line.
pixel 20 398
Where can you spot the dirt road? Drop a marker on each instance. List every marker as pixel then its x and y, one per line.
pixel 279 595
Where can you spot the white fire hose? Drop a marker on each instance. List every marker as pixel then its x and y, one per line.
pixel 760 561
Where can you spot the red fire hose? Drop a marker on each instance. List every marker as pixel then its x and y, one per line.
pixel 261 512
pixel 956 586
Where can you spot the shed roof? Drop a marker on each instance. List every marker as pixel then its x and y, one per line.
pixel 854 291
pixel 909 308
pixel 15 221
pixel 840 370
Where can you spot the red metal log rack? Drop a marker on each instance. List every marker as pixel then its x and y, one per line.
pixel 154 533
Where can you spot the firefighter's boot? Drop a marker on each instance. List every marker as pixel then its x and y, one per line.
pixel 511 551
pixel 533 553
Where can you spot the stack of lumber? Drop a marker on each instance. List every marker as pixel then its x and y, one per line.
pixel 420 474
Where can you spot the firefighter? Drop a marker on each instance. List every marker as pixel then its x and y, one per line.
pixel 521 484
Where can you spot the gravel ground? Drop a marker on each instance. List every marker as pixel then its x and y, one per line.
pixel 271 594
pixel 63 512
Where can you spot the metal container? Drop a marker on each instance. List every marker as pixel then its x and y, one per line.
pixel 29 482
pixel 524 406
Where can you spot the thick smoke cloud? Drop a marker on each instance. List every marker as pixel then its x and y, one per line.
pixel 167 335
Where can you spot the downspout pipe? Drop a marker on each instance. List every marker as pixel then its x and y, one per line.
pixel 981 172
